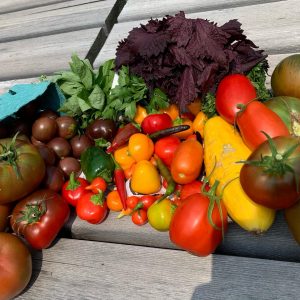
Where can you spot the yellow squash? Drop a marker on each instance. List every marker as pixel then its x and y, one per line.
pixel 223 147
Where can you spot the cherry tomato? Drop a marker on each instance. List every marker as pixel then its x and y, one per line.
pixel 146 201
pixel 139 217
pixel 132 201
pixel 114 202
pixel 74 189
pixel 233 89
pixel 156 122
pixel 165 148
pixel 256 117
pixel 92 208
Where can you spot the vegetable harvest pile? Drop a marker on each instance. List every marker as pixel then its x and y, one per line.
pixel 187 138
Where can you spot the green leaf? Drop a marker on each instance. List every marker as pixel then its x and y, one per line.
pixel 82 71
pixel 109 113
pixel 130 110
pixel 124 78
pixel 209 105
pixel 71 88
pixel 84 106
pixel 101 142
pixel 106 75
pixel 158 100
pixel 67 76
pixel 97 98
pixel 71 107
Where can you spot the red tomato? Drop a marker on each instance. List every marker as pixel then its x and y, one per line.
pixel 191 188
pixel 92 208
pixel 139 217
pixel 132 201
pixel 190 228
pixel 15 266
pixel 165 148
pixel 74 189
pixel 39 217
pixel 147 201
pixel 233 89
pixel 188 115
pixel 156 122
pixel 255 118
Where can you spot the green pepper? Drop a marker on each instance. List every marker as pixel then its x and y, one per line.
pixel 95 162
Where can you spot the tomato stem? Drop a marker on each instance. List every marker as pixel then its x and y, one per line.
pixel 33 212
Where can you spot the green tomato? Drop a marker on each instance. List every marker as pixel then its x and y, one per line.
pixel 160 215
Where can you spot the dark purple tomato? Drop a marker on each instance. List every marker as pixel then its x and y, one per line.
pixel 36 142
pixel 20 125
pixel 44 129
pixel 54 178
pixel 47 154
pixel 105 129
pixel 60 146
pixel 66 127
pixel 69 165
pixel 29 110
pixel 79 144
pixel 48 113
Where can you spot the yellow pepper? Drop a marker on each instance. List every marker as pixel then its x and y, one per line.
pixel 140 147
pixel 199 122
pixel 123 158
pixel 145 178
pixel 140 114
pixel 172 110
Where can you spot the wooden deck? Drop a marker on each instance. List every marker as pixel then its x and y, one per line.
pixel 116 259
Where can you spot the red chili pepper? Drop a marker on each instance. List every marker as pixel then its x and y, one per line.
pixel 120 179
pixel 122 137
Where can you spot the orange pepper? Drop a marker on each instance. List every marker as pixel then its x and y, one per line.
pixel 140 115
pixel 113 201
pixel 199 122
pixel 172 110
pixel 195 106
pixel 123 158
pixel 140 147
pixel 184 134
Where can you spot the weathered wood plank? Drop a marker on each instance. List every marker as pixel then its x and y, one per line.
pixel 277 35
pixel 137 10
pixel 237 241
pixel 7 6
pixel 58 18
pixel 74 269
pixel 45 55
pixel 6 85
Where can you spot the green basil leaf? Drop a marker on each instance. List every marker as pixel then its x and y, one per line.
pixel 106 75
pixel 97 98
pixel 130 110
pixel 124 78
pixel 84 106
pixel 67 76
pixel 71 107
pixel 71 88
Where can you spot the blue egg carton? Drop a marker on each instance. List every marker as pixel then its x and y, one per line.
pixel 47 92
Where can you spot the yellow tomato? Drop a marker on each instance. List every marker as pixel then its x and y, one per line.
pixel 140 147
pixel 140 114
pixel 199 122
pixel 145 178
pixel 123 158
pixel 172 110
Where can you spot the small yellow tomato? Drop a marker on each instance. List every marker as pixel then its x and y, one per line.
pixel 199 122
pixel 195 106
pixel 145 178
pixel 140 114
pixel 160 214
pixel 140 147
pixel 123 158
